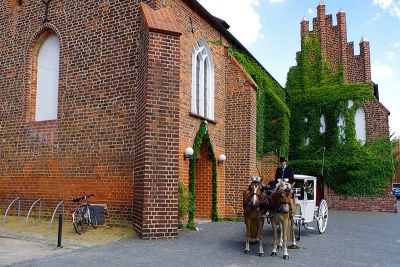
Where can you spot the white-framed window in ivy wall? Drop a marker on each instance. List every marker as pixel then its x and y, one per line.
pixel 322 124
pixel 341 126
pixel 202 99
pixel 360 125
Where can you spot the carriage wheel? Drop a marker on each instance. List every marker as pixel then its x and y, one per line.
pixel 322 219
pixel 298 232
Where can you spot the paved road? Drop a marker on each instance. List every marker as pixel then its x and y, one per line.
pixel 351 239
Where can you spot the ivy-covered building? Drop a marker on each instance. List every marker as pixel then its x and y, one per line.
pixel 124 99
pixel 339 129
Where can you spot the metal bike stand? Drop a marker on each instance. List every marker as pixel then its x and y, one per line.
pixel 9 206
pixel 31 208
pixel 61 203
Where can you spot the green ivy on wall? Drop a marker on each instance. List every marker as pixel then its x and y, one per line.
pixel 272 112
pixel 202 136
pixel 316 88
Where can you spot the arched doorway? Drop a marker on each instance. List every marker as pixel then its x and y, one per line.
pixel 203 184
pixel 202 179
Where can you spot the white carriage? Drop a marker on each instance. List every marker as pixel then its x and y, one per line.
pixel 305 192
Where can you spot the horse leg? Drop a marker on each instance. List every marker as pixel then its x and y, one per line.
pixel 280 236
pixel 273 225
pixel 247 248
pixel 293 237
pixel 260 237
pixel 284 229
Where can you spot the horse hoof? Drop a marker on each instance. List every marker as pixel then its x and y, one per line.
pixel 279 247
pixel 247 251
pixel 285 257
pixel 261 254
pixel 273 254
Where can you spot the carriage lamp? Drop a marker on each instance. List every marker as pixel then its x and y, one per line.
pixel 188 152
pixel 221 158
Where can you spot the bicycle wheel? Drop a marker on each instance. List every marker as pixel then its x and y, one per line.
pixel 77 221
pixel 93 218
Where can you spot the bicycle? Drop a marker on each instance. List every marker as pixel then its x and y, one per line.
pixel 84 215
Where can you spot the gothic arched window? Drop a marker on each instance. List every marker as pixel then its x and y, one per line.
pixel 47 77
pixel 202 99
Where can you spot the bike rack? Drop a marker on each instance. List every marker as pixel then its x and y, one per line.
pixel 31 208
pixel 9 206
pixel 54 213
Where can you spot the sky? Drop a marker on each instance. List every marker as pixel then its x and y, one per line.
pixel 270 30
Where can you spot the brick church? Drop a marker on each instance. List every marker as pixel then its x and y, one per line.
pixel 105 97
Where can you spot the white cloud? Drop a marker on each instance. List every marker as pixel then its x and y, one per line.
pixel 380 72
pixel 395 45
pixel 377 16
pixel 390 54
pixel 391 6
pixel 383 3
pixel 242 16
pixel 276 1
pixel 310 10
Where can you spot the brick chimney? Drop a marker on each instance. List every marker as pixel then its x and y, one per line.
pixel 366 61
pixel 342 30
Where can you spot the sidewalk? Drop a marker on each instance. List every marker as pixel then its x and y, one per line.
pixel 20 242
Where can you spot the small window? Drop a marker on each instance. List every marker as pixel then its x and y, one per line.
pixel 307 141
pixel 322 124
pixel 202 100
pixel 341 125
pixel 350 103
pixel 359 121
pixel 48 61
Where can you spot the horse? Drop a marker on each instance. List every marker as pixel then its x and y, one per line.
pixel 282 210
pixel 254 211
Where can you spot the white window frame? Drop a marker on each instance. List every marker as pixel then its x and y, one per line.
pixel 202 86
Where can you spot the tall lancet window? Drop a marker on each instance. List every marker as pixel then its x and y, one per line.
pixel 360 125
pixel 202 99
pixel 48 61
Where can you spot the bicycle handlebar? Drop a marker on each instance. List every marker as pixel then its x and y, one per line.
pixel 81 198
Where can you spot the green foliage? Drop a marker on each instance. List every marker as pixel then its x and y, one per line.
pixel 272 111
pixel 315 88
pixel 183 202
pixel 202 136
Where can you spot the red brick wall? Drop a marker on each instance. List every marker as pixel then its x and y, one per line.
pixel 377 121
pixel 240 136
pixel 123 111
pixel 89 148
pixel 386 203
pixel 267 166
pixel 157 136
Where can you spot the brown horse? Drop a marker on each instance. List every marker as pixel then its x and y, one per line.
pixel 254 214
pixel 281 212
